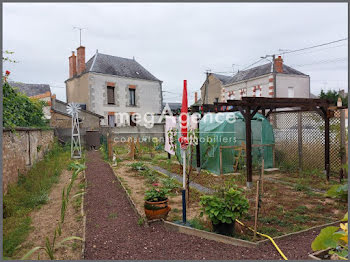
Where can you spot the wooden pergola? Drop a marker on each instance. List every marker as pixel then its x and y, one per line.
pixel 249 106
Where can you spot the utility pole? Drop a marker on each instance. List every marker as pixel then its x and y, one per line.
pixel 80 29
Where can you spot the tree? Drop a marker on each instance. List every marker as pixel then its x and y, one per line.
pixel 332 96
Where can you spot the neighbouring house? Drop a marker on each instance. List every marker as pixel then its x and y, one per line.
pixel 38 91
pixel 108 85
pixel 212 87
pixel 267 80
pixel 61 119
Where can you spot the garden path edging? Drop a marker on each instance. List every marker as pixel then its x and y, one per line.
pixel 84 216
pixel 209 235
pixel 132 203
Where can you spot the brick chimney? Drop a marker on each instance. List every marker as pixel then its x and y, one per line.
pixel 80 59
pixel 279 64
pixel 72 65
pixel 195 97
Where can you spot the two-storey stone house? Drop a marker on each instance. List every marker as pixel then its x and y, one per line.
pixel 108 85
pixel 268 80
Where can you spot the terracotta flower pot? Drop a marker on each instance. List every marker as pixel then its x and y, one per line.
pixel 157 210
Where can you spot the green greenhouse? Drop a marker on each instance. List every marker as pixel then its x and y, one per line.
pixel 227 131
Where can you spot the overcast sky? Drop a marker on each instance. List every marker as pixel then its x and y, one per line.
pixel 177 41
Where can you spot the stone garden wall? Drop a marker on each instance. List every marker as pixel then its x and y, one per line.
pixel 21 149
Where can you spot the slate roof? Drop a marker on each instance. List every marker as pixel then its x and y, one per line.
pixel 30 89
pixel 59 110
pixel 119 66
pixel 198 103
pixel 224 79
pixel 260 71
pixel 173 106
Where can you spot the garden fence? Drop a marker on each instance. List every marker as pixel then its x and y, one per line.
pixel 300 140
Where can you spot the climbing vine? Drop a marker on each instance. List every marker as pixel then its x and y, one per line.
pixel 19 110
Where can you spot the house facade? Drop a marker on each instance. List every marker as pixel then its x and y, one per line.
pixel 212 87
pixel 267 80
pixel 109 85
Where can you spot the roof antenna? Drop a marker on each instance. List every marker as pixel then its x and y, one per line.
pixel 80 29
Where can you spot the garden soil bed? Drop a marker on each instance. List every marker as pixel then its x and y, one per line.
pixel 112 230
pixel 284 208
pixel 45 219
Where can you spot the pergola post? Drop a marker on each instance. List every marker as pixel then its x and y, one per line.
pixel 248 138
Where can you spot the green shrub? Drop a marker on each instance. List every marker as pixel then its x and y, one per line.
pixel 225 206
pixel 338 191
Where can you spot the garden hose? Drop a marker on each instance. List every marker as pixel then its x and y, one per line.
pixel 270 238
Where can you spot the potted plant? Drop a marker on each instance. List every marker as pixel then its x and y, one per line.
pixel 223 208
pixel 332 242
pixel 156 202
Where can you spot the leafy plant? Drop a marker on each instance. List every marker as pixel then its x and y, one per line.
pixel 335 238
pixel 338 191
pixel 170 184
pixel 225 207
pixel 156 193
pixel 138 166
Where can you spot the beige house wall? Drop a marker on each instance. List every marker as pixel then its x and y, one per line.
pixel 77 90
pixel 211 90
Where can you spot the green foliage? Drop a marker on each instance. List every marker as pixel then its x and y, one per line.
pixel 332 96
pixel 225 206
pixel 197 223
pixel 140 221
pixel 338 191
pixel 335 238
pixel 301 209
pixel 170 184
pixel 138 166
pixel 301 187
pixel 155 193
pixel 113 215
pixel 274 220
pixel 326 239
pixel 20 110
pixel 30 192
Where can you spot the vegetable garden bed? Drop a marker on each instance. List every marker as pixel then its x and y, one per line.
pixel 285 209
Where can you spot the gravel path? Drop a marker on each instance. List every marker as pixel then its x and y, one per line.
pixel 112 231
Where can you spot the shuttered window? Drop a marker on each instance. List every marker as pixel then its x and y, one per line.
pixel 110 95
